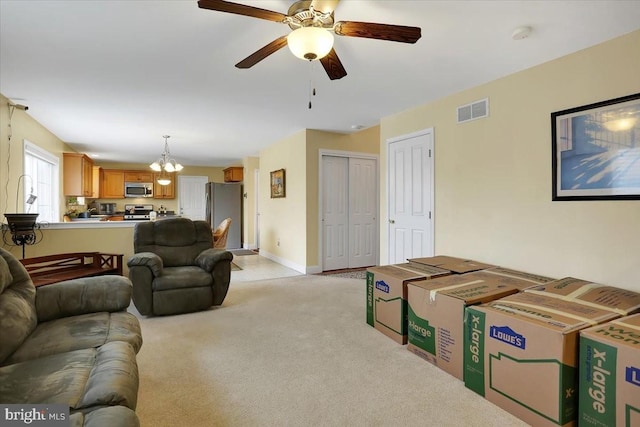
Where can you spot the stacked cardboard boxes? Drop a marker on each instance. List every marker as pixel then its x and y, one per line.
pixel 521 350
pixel 387 296
pixel 436 311
pixel 609 369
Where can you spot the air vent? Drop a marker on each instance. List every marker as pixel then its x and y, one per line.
pixel 473 111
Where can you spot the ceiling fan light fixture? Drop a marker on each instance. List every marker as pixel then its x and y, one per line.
pixel 310 43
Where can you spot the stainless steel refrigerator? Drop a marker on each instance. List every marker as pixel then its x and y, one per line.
pixel 224 200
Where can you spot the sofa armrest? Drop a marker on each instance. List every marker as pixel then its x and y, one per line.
pixel 81 296
pixel 208 258
pixel 147 259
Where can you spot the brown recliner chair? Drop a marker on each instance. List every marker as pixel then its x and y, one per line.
pixel 175 268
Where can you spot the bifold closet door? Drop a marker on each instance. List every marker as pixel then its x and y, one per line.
pixel 349 203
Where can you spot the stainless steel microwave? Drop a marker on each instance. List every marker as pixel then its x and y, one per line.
pixel 138 189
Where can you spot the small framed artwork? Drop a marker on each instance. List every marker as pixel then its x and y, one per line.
pixel 596 151
pixel 278 184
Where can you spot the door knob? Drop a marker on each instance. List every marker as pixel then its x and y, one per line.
pixel 391 221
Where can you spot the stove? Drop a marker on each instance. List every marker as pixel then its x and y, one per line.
pixel 137 212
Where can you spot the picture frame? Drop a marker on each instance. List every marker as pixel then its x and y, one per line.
pixel 596 151
pixel 278 184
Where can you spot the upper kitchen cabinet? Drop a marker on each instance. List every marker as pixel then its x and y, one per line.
pixel 77 175
pixel 97 180
pixel 164 191
pixel 138 176
pixel 112 184
pixel 233 174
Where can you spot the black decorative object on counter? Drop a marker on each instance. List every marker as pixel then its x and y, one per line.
pixel 23 229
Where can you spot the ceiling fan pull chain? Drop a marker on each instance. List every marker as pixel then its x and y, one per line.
pixel 312 89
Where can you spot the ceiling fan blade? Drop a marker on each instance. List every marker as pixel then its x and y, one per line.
pixel 333 66
pixel 325 6
pixel 394 33
pixel 241 9
pixel 260 54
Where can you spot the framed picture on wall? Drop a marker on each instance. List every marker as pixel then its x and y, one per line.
pixel 278 184
pixel 596 151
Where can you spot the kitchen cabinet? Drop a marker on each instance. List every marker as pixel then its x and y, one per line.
pixel 233 174
pixel 112 184
pixel 164 191
pixel 77 175
pixel 97 180
pixel 138 176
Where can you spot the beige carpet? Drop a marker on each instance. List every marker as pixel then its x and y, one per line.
pixel 294 352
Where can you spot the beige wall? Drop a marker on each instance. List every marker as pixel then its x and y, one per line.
pixel 23 127
pixel 493 176
pixel 282 220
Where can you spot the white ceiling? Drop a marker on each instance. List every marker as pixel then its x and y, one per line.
pixel 111 77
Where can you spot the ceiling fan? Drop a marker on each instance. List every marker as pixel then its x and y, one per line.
pixel 312 22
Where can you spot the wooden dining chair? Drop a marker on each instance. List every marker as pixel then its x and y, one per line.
pixel 220 234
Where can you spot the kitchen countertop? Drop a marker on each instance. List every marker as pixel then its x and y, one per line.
pixel 99 221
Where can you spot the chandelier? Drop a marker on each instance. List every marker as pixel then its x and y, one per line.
pixel 165 164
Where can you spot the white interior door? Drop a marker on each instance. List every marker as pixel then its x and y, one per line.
pixel 335 212
pixel 363 207
pixel 410 197
pixel 349 206
pixel 191 196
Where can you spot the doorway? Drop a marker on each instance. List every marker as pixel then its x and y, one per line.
pixel 410 196
pixel 348 210
pixel 191 196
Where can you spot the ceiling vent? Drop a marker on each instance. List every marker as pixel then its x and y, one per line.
pixel 473 111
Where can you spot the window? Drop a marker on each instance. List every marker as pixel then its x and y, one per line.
pixel 41 178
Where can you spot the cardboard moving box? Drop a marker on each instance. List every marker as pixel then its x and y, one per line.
pixel 527 279
pixel 622 301
pixel 521 354
pixel 453 264
pixel 609 372
pixel 436 311
pixel 387 296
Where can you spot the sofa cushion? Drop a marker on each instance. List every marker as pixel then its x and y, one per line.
pixel 17 304
pixel 182 278
pixel 77 333
pixel 82 379
pixel 81 296
pixel 119 416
